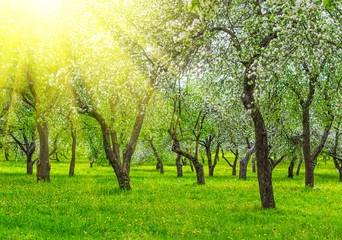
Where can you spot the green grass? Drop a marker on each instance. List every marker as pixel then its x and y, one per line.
pixel 90 205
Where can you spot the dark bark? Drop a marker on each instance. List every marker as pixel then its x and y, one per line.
pixel 253 165
pixel 179 166
pixel 43 164
pixel 233 166
pixel 184 161
pixel 276 161
pixel 29 163
pixel 264 167
pixel 28 148
pixel 191 166
pixel 309 159
pixel 337 160
pixel 73 152
pixel 299 165
pixel 6 154
pixel 244 162
pixel 110 143
pixel 305 104
pixel 216 159
pixel 91 161
pixel 193 159
pixel 291 167
pixel 159 161
pixel 207 145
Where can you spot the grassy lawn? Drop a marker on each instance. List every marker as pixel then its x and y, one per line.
pixel 90 205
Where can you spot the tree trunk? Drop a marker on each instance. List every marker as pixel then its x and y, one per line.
pixel 299 165
pixel 264 167
pixel 191 166
pixel 337 161
pixel 43 164
pixel 243 170
pixel 161 169
pixel 244 162
pixel 29 164
pixel 253 165
pixel 199 172
pixel 291 167
pixel 184 161
pixel 159 161
pixel 234 166
pixel 308 161
pixel 207 145
pixel 6 154
pixel 29 168
pixel 30 150
pixel 179 166
pixel 73 153
pixel 193 159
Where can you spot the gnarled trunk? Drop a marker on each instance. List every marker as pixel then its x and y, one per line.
pixel 193 159
pixel 124 180
pixel 264 167
pixel 43 164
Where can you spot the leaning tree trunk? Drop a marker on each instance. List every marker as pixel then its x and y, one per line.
pixel 193 159
pixel 159 161
pixel 43 164
pixel 244 162
pixel 291 167
pixel 179 166
pixel 73 153
pixel 191 166
pixel 299 165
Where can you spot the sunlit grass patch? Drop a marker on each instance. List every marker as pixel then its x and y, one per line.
pixel 90 205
